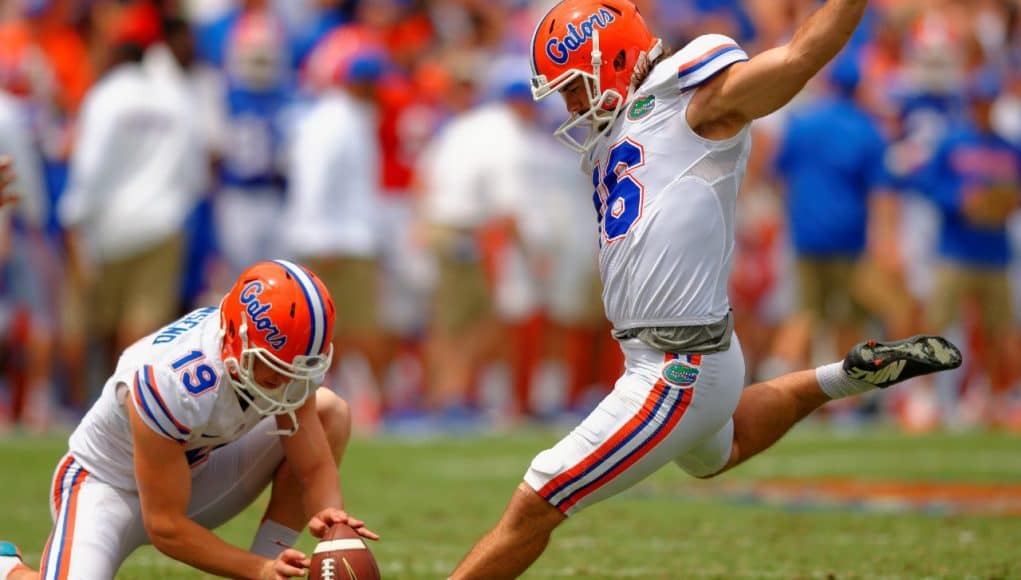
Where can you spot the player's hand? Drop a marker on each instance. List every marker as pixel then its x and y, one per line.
pixel 321 521
pixel 289 564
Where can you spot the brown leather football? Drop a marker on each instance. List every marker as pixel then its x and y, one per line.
pixel 342 555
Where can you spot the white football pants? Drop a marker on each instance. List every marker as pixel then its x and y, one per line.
pixel 97 526
pixel 665 408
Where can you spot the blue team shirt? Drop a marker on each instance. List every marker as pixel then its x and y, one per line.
pixel 968 159
pixel 252 159
pixel 926 119
pixel 832 157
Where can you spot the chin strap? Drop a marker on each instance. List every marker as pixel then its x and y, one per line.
pixel 286 432
pixel 248 400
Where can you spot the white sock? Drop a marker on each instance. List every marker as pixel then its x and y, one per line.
pixel 8 564
pixel 273 538
pixel 834 382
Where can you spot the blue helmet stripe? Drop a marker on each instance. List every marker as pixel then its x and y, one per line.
pixel 316 306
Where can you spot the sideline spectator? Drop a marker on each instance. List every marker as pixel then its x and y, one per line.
pixel 332 209
pixel 136 173
pixel 974 179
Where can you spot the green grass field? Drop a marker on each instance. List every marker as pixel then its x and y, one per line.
pixel 431 499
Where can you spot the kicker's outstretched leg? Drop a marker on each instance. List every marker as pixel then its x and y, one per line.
pixel 769 409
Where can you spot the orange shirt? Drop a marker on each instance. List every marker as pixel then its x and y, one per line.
pixel 66 58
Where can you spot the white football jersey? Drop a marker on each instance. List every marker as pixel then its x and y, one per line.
pixel 177 382
pixel 665 198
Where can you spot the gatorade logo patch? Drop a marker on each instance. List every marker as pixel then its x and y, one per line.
pixel 641 108
pixel 680 373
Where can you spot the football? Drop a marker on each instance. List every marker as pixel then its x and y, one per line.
pixel 342 555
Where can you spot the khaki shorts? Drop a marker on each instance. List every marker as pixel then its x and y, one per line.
pixel 955 284
pixel 827 290
pixel 582 306
pixel 462 296
pixel 73 315
pixel 592 311
pixel 138 293
pixel 353 283
pixel 884 294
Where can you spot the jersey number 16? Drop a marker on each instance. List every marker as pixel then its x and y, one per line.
pixel 619 196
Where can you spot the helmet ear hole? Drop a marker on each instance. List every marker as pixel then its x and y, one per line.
pixel 619 61
pixel 293 305
pixel 231 331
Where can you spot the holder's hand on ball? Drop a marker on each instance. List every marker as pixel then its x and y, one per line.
pixel 289 564
pixel 321 521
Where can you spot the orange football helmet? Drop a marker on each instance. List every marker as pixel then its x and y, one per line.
pixel 600 41
pixel 281 314
pixel 257 53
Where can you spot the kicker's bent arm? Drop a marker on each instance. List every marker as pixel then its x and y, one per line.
pixel 762 85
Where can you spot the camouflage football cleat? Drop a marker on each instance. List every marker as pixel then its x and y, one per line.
pixel 888 363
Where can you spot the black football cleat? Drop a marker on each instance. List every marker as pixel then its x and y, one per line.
pixel 888 363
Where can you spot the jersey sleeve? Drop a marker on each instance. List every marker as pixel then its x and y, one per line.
pixel 163 404
pixel 704 58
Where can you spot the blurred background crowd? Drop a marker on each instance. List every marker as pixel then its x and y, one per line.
pixel 393 147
